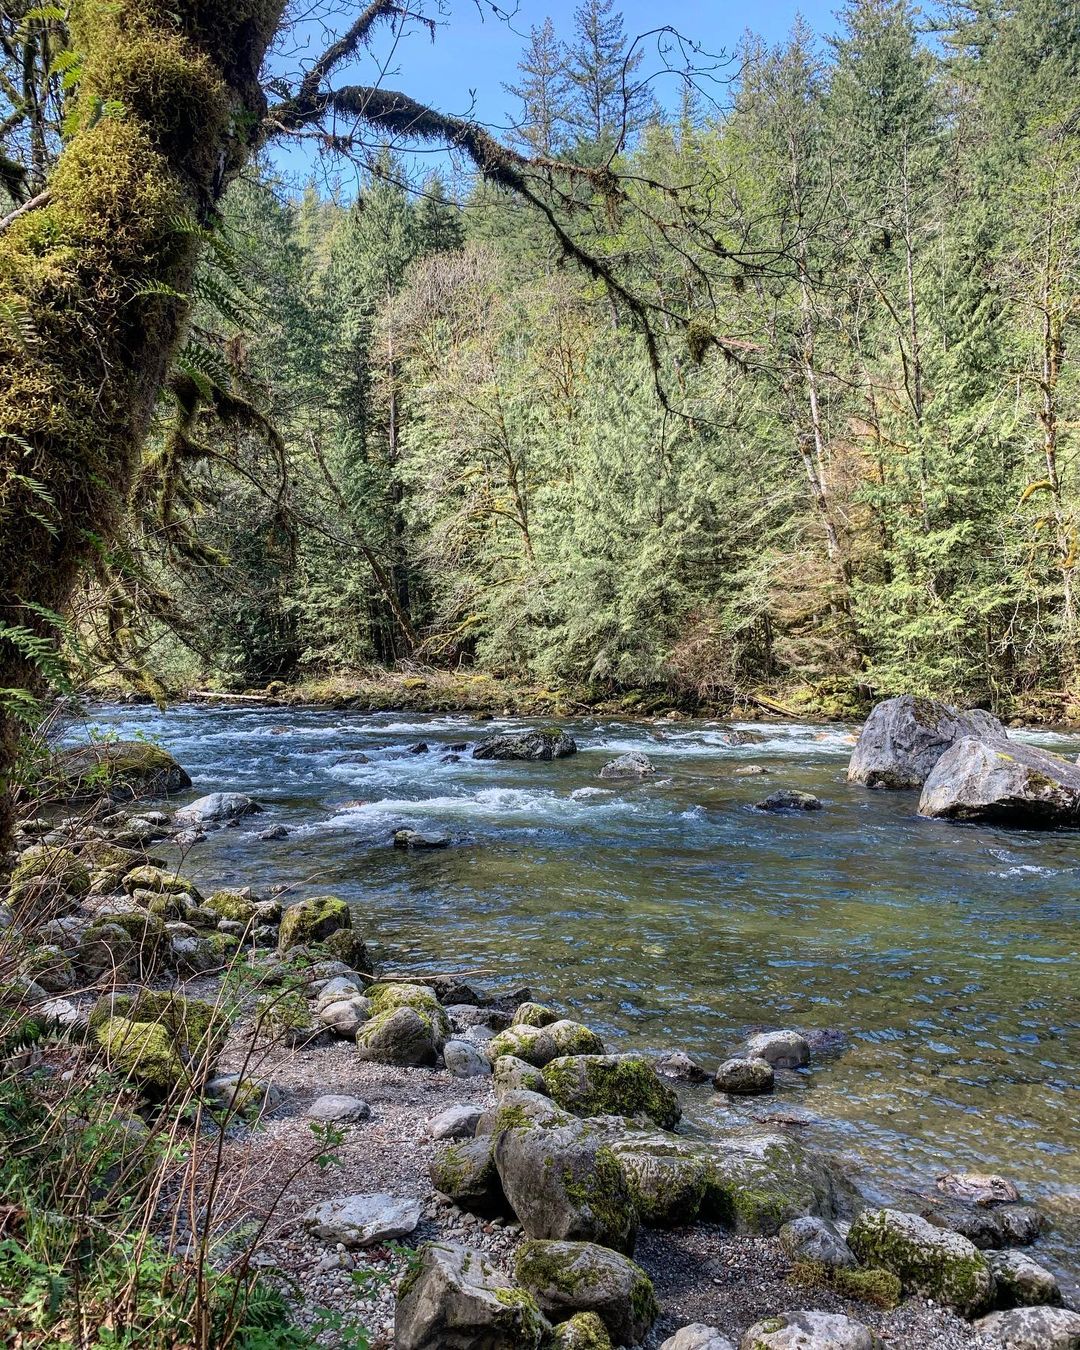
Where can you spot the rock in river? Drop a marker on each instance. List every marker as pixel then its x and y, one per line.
pixel 1003 783
pixel 781 1049
pixel 904 738
pixel 121 770
pixel 551 743
pixel 216 808
pixel 631 765
pixel 744 1076
pixel 788 799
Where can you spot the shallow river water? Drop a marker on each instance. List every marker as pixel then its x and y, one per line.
pixel 671 914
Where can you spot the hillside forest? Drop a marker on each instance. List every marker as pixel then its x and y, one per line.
pixel 856 474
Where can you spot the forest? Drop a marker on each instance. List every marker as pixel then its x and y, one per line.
pixel 844 458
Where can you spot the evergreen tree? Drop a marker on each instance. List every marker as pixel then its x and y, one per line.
pixel 608 106
pixel 544 93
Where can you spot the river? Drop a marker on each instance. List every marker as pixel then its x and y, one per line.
pixel 671 914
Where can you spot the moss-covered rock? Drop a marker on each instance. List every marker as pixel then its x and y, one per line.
pixel 122 770
pixel 105 948
pixel 510 1074
pixel 455 1296
pixel 759 1180
pixel 46 875
pixel 399 1036
pixel 160 882
pixel 387 997
pixel 583 1331
pixel 668 1176
pixel 534 1015
pixel 313 921
pixel 574 1038
pixel 464 1170
pixel 166 1043
pixel 198 1027
pixel 348 946
pixel 235 905
pixel 584 1277
pixel 930 1261
pixel 146 1053
pixel 599 1085
pixel 531 1044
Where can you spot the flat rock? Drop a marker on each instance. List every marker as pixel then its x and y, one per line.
pixel 335 1106
pixel 362 1220
pixel 697 1336
pixel 809 1331
pixel 531 745
pixel 788 799
pixel 978 1188
pixel 904 738
pixel 1032 1329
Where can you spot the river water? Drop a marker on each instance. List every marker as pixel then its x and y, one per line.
pixel 671 914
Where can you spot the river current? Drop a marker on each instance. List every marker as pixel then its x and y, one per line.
pixel 672 915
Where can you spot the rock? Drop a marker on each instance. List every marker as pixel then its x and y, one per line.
pixel 788 799
pixel 930 1261
pixel 479 1035
pixel 398 1036
pixel 809 1331
pixel 514 1075
pixel 312 921
pixel 235 905
pixel 247 1096
pixel 566 1183
pixel 416 839
pixel 273 833
pixel 122 770
pixel 338 1107
pixel 552 743
pixel 978 1188
pixel 781 1049
pixel 163 1041
pixel 387 997
pixel 463 1060
pixel 759 1180
pixel 583 1277
pixel 573 1038
pixel 1021 1282
pixel 464 1015
pixel 215 809
pixel 749 771
pixel 521 1110
pixel 814 1239
pixel 363 1220
pixel 1002 783
pixel 337 990
pixel 987 1226
pixel 631 765
pixel 345 1017
pixel 744 1076
pixel 465 1171
pixel 46 876
pixel 679 1066
pixel 533 1015
pixel 51 968
pixel 904 738
pixel 1032 1329
pixel 456 1122
pixel 600 1085
pixel 160 882
pixel 584 1331
pixel 668 1176
pixel 531 1044
pixel 456 1300
pixel 697 1337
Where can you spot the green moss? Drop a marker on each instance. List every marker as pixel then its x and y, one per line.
pixel 941 1266
pixel 313 921
pixel 231 905
pixel 349 947
pixel 193 1024
pixel 880 1288
pixel 592 1085
pixel 605 1193
pixel 385 998
pixel 531 1044
pixel 584 1331
pixel 529 1324
pixel 534 1015
pixel 160 882
pixel 573 1038
pixel 145 1051
pixel 44 873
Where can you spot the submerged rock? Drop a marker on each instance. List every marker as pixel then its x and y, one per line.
pixel 788 799
pixel 930 1261
pixel 584 1277
pixel 455 1299
pixel 551 743
pixel 978 1188
pixel 904 738
pixel 415 840
pixel 1003 783
pixel 679 1066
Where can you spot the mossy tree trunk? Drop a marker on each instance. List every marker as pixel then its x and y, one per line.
pixel 93 284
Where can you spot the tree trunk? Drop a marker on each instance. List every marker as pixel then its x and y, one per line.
pixel 94 286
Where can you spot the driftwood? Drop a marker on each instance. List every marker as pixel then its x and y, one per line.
pixel 211 695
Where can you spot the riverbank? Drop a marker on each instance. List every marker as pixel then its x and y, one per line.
pixel 433 691
pixel 305 1019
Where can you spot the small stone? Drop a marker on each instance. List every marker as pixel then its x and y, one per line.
pixel 744 1076
pixel 456 1122
pixel 782 1049
pixel 809 1331
pixel 679 1066
pixel 346 1016
pixel 464 1060
pixel 362 1220
pixel 338 1107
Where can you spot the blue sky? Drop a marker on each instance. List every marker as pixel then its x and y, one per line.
pixel 475 53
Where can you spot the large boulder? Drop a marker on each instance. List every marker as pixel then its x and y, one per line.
pixel 122 770
pixel 455 1299
pixel 758 1181
pixel 398 1036
pixel 600 1085
pixel 216 809
pixel 809 1331
pixel 550 743
pixel 930 1261
pixel 47 877
pixel 570 1277
pixel 904 738
pixel 668 1175
pixel 1003 783
pixel 1032 1329
pixel 464 1170
pixel 567 1183
pixel 162 1041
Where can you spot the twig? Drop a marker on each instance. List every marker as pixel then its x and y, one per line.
pixel 42 199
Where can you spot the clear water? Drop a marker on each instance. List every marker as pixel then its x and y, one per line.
pixel 671 914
